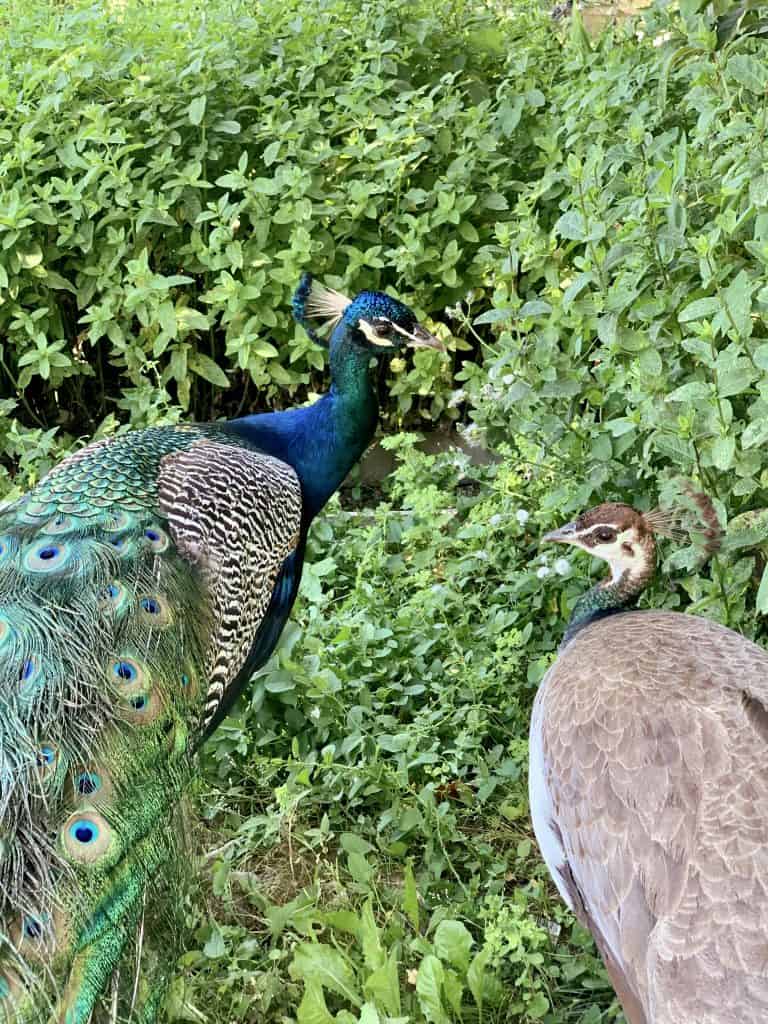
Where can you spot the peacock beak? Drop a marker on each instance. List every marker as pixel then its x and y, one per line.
pixel 421 338
pixel 563 534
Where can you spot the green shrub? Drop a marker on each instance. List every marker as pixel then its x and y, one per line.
pixel 630 307
pixel 167 171
pixel 588 222
pixel 383 752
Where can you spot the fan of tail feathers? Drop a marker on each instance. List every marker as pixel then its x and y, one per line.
pixel 117 574
pixel 693 517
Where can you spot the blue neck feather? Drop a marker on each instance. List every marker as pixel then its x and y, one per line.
pixel 607 598
pixel 322 441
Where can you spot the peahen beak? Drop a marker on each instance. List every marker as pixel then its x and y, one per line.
pixel 421 338
pixel 563 534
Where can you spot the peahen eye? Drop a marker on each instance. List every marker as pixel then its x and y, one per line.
pixel 605 534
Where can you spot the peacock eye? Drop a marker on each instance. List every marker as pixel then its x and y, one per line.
pixel 605 535
pixel 381 326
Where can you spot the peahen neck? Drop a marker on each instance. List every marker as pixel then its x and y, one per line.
pixel 322 441
pixel 615 594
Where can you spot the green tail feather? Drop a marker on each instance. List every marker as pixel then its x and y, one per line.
pixel 103 634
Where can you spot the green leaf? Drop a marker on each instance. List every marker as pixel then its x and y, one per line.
pixel 755 433
pixel 227 127
pixel 749 72
pixel 271 153
pixel 316 963
pixel 312 1008
pixel 738 301
pixel 476 975
pixel 370 937
pixel 453 992
pixel 453 943
pixel 748 530
pixel 691 392
pixel 699 309
pixel 383 985
pixel 360 869
pixel 369 1014
pixel 215 946
pixel 205 367
pixel 196 110
pixel 536 307
pixel 761 356
pixel 572 226
pixel 722 452
pixel 350 842
pixel 761 602
pixel 493 316
pixel 33 257
pixel 57 282
pixel 649 363
pixel 538 1006
pixel 191 319
pixel 429 983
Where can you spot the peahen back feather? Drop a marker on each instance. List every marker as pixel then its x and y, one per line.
pixel 128 599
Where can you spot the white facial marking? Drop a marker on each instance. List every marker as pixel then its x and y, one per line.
pixel 401 330
pixel 370 333
pixel 614 553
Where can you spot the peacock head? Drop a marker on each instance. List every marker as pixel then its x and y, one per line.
pixel 375 322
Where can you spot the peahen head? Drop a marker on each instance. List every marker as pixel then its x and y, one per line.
pixel 624 537
pixel 619 535
pixel 373 322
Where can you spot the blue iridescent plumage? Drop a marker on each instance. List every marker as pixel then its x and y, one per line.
pixel 141 584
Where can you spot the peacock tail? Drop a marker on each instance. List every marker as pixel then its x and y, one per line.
pixel 133 581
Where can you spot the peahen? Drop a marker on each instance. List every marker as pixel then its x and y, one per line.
pixel 141 584
pixel 649 785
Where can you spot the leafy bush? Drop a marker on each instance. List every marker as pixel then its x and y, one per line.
pixel 589 223
pixel 630 288
pixel 618 355
pixel 380 763
pixel 164 180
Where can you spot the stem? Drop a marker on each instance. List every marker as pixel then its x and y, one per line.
pixel 20 393
pixel 591 244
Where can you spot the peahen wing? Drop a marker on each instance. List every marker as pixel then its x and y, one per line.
pixel 134 582
pixel 649 794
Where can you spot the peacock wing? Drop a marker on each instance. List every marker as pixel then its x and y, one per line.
pixel 654 817
pixel 235 514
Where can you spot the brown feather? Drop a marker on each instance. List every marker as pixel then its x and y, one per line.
pixel 653 729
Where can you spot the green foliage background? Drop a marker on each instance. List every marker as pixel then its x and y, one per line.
pixel 586 224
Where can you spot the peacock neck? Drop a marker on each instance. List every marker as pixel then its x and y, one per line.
pixel 615 594
pixel 322 441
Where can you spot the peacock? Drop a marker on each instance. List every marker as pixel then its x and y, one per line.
pixel 649 786
pixel 142 582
